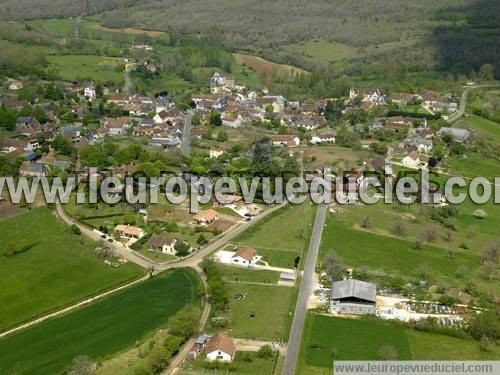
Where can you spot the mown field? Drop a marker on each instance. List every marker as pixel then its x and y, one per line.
pixel 99 69
pixel 102 329
pixel 273 307
pixel 53 267
pixel 281 237
pixel 325 337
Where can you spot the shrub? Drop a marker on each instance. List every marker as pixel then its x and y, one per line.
pixel 76 230
pixel 265 351
pixel 387 353
pixel 484 325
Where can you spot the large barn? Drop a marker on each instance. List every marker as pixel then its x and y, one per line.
pixel 353 297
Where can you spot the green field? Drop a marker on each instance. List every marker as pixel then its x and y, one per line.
pixel 273 307
pixel 475 165
pixel 361 339
pixel 281 237
pixel 102 329
pixel 486 126
pixel 54 268
pixel 99 69
pixel 392 255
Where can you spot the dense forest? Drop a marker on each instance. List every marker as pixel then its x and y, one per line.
pixel 455 35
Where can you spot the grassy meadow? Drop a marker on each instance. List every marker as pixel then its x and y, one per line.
pixel 52 268
pixel 326 337
pixel 99 69
pixel 273 307
pixel 101 329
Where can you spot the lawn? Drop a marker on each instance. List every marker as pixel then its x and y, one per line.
pixel 244 363
pixel 99 69
pixel 273 307
pixel 361 339
pixel 55 267
pixel 244 275
pixel 282 236
pixel 102 329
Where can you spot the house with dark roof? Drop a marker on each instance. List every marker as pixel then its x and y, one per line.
pixel 457 134
pixel 163 244
pixel 353 297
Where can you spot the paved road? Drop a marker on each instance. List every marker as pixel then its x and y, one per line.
pixel 127 84
pixel 117 247
pixel 191 261
pixel 186 134
pixel 461 110
pixel 304 293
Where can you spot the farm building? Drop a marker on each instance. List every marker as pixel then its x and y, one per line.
pixel 200 343
pixel 353 297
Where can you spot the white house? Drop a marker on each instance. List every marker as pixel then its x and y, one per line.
pixel 284 140
pixel 160 117
pixel 367 95
pixel 412 160
pixel 220 348
pixel 231 121
pixel 163 244
pixel 89 92
pixel 15 85
pixel 245 256
pixel 116 126
pixel 322 138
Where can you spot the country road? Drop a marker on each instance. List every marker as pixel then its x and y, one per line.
pixel 190 261
pixel 463 101
pixel 186 134
pixel 304 293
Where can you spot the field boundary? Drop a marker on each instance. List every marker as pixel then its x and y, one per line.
pixel 72 307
